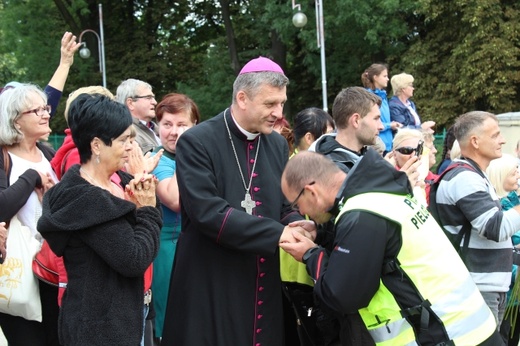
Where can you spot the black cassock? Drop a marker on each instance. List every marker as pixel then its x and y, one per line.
pixel 225 287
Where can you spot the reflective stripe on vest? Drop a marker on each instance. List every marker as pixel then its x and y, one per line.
pixel 441 278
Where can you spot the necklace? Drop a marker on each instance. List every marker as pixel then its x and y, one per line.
pixel 116 192
pixel 90 177
pixel 248 204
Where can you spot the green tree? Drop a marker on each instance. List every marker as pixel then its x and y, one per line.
pixel 465 58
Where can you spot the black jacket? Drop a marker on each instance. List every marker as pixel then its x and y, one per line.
pixel 14 197
pixel 375 240
pixel 107 245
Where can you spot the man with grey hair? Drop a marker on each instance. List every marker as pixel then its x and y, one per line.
pixel 465 195
pixel 225 287
pixel 138 97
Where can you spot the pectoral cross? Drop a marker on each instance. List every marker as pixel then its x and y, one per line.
pixel 248 204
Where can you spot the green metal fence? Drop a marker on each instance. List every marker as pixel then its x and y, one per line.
pixel 56 140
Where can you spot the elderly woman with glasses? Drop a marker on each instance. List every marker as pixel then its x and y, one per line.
pixel 25 175
pixel 106 228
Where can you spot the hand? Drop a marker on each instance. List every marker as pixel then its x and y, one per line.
pixel 141 190
pixel 394 125
pixel 308 225
pixel 411 168
pixel 297 249
pixel 427 125
pixel 150 162
pixel 68 48
pixel 139 163
pixel 390 157
pixel 46 184
pixel 3 242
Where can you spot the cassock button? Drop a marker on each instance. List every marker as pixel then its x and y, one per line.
pixel 255 175
pixel 262 275
pixel 260 302
pixel 252 161
pixel 259 316
pixel 256 189
pixel 261 288
pixel 262 260
pixel 258 203
pixel 258 344
pixel 251 146
pixel 258 331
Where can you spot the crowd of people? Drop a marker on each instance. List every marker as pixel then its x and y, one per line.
pixel 250 229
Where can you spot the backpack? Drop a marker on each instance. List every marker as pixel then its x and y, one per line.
pixel 465 231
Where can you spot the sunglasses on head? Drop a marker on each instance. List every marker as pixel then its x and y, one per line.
pixel 406 150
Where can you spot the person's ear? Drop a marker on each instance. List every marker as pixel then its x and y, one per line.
pixel 95 146
pixel 474 141
pixel 130 103
pixel 309 138
pixel 355 120
pixel 241 99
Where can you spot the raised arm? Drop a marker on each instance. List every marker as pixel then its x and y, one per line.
pixel 69 47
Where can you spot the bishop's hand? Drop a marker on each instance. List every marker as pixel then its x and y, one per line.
pixel 298 248
pixel 308 225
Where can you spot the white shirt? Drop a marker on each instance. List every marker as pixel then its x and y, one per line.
pixel 32 209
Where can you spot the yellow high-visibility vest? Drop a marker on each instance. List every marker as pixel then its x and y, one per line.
pixel 434 268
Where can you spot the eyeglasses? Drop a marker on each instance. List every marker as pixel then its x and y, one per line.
pixel 40 111
pixel 406 150
pixel 148 97
pixel 294 204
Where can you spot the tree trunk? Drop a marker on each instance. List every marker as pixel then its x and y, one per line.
pixel 230 35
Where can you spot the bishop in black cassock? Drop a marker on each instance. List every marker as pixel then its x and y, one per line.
pixel 225 287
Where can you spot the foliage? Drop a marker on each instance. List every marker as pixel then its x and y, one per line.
pixel 466 59
pixel 464 54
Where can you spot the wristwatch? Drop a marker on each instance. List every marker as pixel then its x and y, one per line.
pixel 309 253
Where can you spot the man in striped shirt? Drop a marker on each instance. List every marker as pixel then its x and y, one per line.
pixel 466 194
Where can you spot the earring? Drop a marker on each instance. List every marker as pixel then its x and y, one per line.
pixel 97 159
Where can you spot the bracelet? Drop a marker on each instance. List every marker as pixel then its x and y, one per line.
pixel 309 253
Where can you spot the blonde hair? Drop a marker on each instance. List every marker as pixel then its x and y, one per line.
pixel 455 150
pixel 94 89
pixel 379 146
pixel 400 81
pixel 405 134
pixel 498 170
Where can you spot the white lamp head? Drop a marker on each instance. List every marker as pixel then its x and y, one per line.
pixel 299 19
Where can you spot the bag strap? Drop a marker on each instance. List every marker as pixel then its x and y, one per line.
pixel 7 162
pixel 64 163
pixel 465 231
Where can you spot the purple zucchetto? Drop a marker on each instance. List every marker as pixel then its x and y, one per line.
pixel 261 64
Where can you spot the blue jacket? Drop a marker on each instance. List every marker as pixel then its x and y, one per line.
pixel 386 135
pixel 400 113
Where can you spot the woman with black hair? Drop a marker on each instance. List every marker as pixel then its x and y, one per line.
pixel 447 145
pixel 309 125
pixel 105 225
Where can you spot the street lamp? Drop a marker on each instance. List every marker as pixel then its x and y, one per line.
pixel 84 52
pixel 299 20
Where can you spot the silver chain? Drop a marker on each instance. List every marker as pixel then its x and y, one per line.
pixel 247 187
pixel 92 179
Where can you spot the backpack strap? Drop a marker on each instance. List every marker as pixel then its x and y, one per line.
pixel 465 231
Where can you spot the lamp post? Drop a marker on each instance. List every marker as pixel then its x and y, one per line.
pixel 299 20
pixel 84 52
